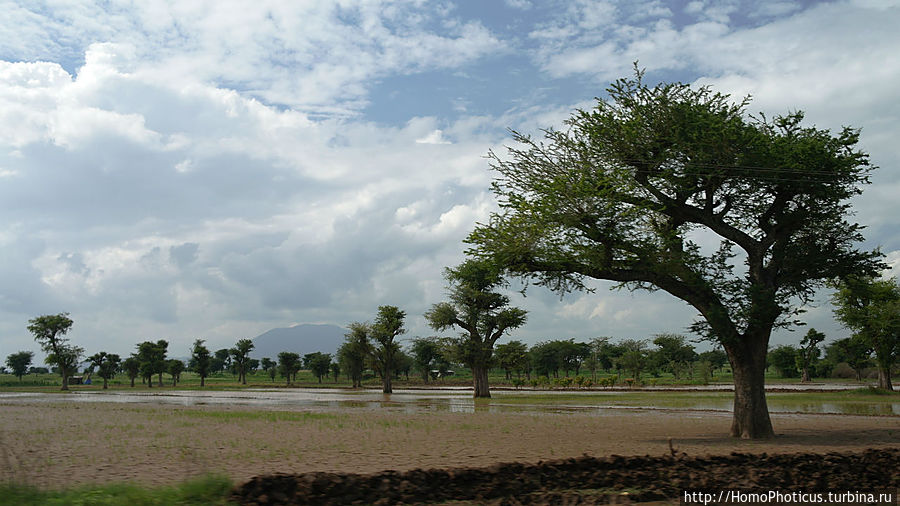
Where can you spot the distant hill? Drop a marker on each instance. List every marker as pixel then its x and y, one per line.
pixel 302 339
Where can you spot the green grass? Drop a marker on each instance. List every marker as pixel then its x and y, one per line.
pixel 209 490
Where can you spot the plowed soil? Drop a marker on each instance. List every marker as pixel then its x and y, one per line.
pixel 64 444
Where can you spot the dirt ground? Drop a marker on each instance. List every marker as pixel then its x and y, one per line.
pixel 64 444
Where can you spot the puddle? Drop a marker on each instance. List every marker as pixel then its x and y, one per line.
pixel 448 400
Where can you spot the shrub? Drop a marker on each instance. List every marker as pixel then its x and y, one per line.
pixel 844 371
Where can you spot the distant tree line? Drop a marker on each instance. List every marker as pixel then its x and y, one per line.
pixel 371 350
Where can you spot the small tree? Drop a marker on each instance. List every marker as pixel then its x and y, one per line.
pixel 871 308
pixel 318 363
pixel 716 359
pixel 634 358
pixel 808 353
pixel 175 367
pixel 221 361
pixel 132 367
pixel 335 370
pixel 388 325
pixel 153 359
pixel 288 364
pixel 270 367
pixel 512 357
pixel 18 363
pixel 240 355
pixel 674 353
pixel 49 331
pixel 201 361
pixel 107 365
pixel 545 358
pixel 852 351
pixel 784 359
pixel 424 350
pixel 480 312
pixel 353 353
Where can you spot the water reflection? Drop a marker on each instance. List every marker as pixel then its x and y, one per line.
pixel 444 400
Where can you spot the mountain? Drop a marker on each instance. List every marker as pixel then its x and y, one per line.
pixel 302 339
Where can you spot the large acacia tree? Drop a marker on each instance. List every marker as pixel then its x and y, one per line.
pixel 50 332
pixel 630 190
pixel 481 313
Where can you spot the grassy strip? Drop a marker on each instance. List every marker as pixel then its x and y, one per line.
pixel 209 490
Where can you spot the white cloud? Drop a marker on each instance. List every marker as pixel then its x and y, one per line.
pixel 195 169
pixel 316 56
pixel 435 137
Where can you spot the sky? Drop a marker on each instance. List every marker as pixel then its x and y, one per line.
pixel 210 170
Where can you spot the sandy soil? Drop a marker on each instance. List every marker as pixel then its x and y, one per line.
pixel 63 444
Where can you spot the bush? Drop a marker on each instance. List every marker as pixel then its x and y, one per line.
pixel 843 371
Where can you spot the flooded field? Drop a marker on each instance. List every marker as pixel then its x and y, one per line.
pixel 460 400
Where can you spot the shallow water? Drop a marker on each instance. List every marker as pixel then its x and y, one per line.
pixel 448 400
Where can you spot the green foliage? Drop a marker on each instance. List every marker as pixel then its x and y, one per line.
pixel 318 363
pixel 674 354
pixel 152 357
pixel 175 367
pixel 716 358
pixel 220 361
pixel 107 365
pixel 209 490
pixel 288 365
pixel 387 326
pixel 784 359
pixel 808 353
pixel 240 356
pixel 49 331
pixel 352 355
pixel 481 313
pixel 132 367
pixel 513 357
pixel 18 363
pixel 201 361
pixel 426 351
pixel 269 366
pixel 622 193
pixel 634 358
pixel 871 308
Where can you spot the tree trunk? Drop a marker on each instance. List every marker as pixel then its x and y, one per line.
pixel 104 384
pixel 132 382
pixel 804 378
pixel 480 380
pixel 751 414
pixel 160 380
pixel 386 381
pixel 65 378
pixel 884 378
pixel 202 381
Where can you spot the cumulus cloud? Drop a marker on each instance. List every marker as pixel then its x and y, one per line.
pixel 315 56
pixel 199 169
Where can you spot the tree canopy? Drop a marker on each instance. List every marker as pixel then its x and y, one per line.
pixel 49 331
pixel 627 190
pixel 482 313
pixel 871 308
pixel 18 363
pixel 387 326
